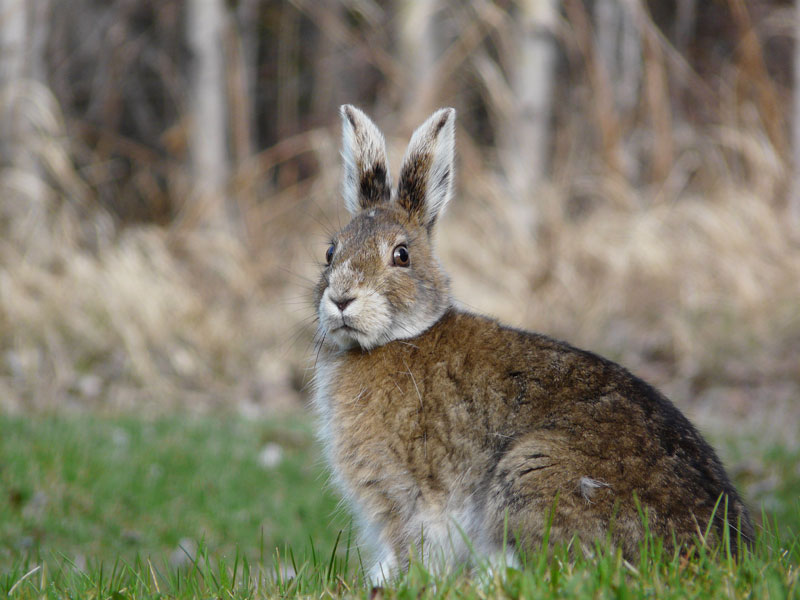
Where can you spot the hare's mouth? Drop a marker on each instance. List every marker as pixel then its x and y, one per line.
pixel 346 336
pixel 348 328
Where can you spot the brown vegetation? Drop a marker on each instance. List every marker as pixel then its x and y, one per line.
pixel 660 236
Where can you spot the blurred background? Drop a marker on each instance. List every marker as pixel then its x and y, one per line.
pixel 169 176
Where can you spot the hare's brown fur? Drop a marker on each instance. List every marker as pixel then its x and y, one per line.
pixel 449 429
pixel 473 416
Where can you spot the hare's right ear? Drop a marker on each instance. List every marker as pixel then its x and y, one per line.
pixel 426 177
pixel 366 181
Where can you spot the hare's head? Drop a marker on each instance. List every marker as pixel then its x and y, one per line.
pixel 382 281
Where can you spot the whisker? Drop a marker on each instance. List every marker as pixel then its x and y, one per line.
pixel 319 348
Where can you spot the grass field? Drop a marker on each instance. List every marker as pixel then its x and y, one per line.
pixel 133 294
pixel 219 506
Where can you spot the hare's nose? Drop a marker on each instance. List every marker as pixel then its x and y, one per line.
pixel 342 303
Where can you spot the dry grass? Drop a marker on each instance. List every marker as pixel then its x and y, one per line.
pixel 123 317
pixel 689 278
pixel 694 285
pixel 696 293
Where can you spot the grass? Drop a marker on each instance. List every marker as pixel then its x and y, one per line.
pixel 98 489
pixel 688 278
pixel 605 575
pixel 219 506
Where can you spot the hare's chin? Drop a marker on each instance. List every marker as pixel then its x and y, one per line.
pixel 347 337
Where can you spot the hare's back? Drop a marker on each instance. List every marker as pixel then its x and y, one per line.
pixel 533 382
pixel 614 436
pixel 474 412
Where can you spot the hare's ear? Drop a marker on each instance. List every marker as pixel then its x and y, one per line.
pixel 426 178
pixel 366 181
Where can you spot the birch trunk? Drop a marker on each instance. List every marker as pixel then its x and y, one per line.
pixel 419 51
pixel 619 49
pixel 208 135
pixel 794 197
pixel 13 25
pixel 23 30
pixel 525 137
pixel 25 116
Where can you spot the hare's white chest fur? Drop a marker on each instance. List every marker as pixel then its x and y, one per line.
pixel 383 489
pixel 454 438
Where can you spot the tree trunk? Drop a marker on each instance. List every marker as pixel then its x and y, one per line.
pixel 335 65
pixel 247 29
pixel 794 197
pixel 24 107
pixel 13 26
pixel 619 49
pixel 618 46
pixel 23 31
pixel 208 136
pixel 525 136
pixel 419 50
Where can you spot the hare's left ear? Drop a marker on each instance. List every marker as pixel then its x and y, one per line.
pixel 426 178
pixel 366 181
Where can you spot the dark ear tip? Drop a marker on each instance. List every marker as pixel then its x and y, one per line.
pixel 348 111
pixel 446 115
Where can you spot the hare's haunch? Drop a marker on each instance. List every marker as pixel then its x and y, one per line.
pixel 448 432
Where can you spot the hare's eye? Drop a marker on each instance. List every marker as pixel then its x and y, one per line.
pixel 329 254
pixel 400 256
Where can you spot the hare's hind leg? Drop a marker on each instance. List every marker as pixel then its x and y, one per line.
pixel 541 485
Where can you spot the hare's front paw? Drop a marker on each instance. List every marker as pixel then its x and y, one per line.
pixel 385 569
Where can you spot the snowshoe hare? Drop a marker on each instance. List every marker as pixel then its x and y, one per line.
pixel 454 437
